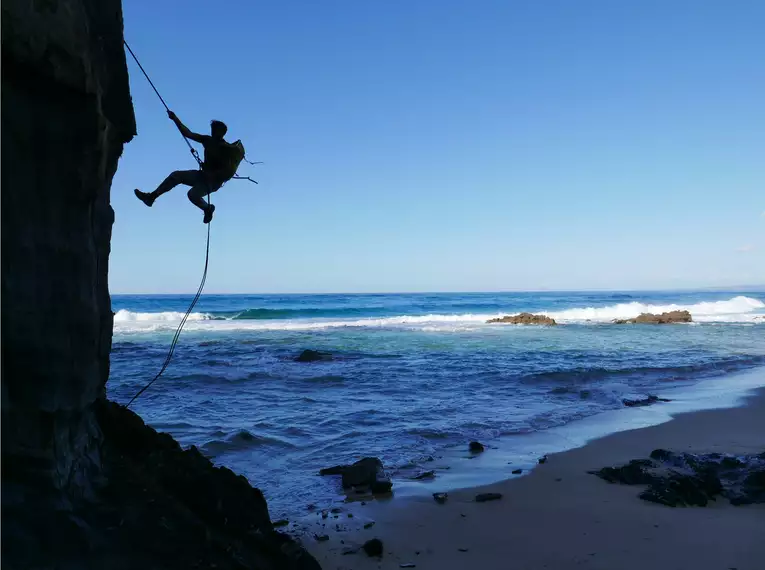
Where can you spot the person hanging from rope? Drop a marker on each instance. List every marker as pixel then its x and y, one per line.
pixel 221 160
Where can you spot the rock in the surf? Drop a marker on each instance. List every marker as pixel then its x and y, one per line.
pixel 662 319
pixel 313 356
pixel 367 472
pixel 647 401
pixel 475 447
pixel 524 319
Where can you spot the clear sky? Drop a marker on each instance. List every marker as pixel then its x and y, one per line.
pixel 447 145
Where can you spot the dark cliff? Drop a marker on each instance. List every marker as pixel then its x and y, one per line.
pixel 86 484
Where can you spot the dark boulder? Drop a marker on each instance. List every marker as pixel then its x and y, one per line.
pixel 517 471
pixel 476 447
pixel 373 547
pixel 367 472
pixel 524 319
pixel 313 356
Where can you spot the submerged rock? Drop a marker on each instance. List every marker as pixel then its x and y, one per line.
pixel 647 401
pixel 424 475
pixel 663 318
pixel 524 319
pixel 313 356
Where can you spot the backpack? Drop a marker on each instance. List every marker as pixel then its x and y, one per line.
pixel 232 156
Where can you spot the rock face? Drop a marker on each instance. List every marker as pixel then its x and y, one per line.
pixel 85 484
pixel 524 319
pixel 66 113
pixel 686 479
pixel 662 319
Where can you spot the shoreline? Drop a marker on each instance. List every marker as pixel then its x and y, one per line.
pixel 559 516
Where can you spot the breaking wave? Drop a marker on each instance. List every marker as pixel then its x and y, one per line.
pixel 729 310
pixel 738 309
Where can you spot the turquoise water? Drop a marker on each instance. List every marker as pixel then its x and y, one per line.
pixel 412 376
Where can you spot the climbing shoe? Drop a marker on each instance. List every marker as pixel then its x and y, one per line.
pixel 209 214
pixel 145 197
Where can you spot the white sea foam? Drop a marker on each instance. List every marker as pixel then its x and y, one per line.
pixel 736 310
pixel 123 316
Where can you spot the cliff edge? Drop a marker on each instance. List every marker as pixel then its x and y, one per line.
pixel 85 483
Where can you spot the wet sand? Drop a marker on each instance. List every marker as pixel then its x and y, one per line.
pixel 559 516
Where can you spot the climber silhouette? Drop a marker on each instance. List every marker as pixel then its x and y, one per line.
pixel 221 160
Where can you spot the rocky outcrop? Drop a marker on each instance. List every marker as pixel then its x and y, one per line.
pixel 524 319
pixel 686 479
pixel 85 483
pixel 662 319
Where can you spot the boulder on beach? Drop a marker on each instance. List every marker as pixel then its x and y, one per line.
pixel 524 319
pixel 313 356
pixel 662 319
pixel 366 472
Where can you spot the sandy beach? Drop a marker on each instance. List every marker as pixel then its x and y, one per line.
pixel 559 516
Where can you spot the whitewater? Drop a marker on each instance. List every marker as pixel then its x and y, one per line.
pixel 739 309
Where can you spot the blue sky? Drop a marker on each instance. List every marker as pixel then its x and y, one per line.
pixel 451 145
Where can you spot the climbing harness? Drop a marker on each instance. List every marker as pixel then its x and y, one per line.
pixel 195 154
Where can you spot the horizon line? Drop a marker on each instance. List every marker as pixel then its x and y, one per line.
pixel 760 287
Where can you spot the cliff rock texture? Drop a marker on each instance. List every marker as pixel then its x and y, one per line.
pixel 85 483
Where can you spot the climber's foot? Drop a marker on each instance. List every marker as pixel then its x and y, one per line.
pixel 145 197
pixel 209 214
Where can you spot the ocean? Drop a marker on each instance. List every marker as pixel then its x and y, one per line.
pixel 413 377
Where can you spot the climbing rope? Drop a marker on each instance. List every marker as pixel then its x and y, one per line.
pixel 173 344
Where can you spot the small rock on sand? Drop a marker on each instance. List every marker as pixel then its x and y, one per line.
pixel 373 547
pixel 543 459
pixel 369 524
pixel 440 498
pixel 321 537
pixel 483 497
